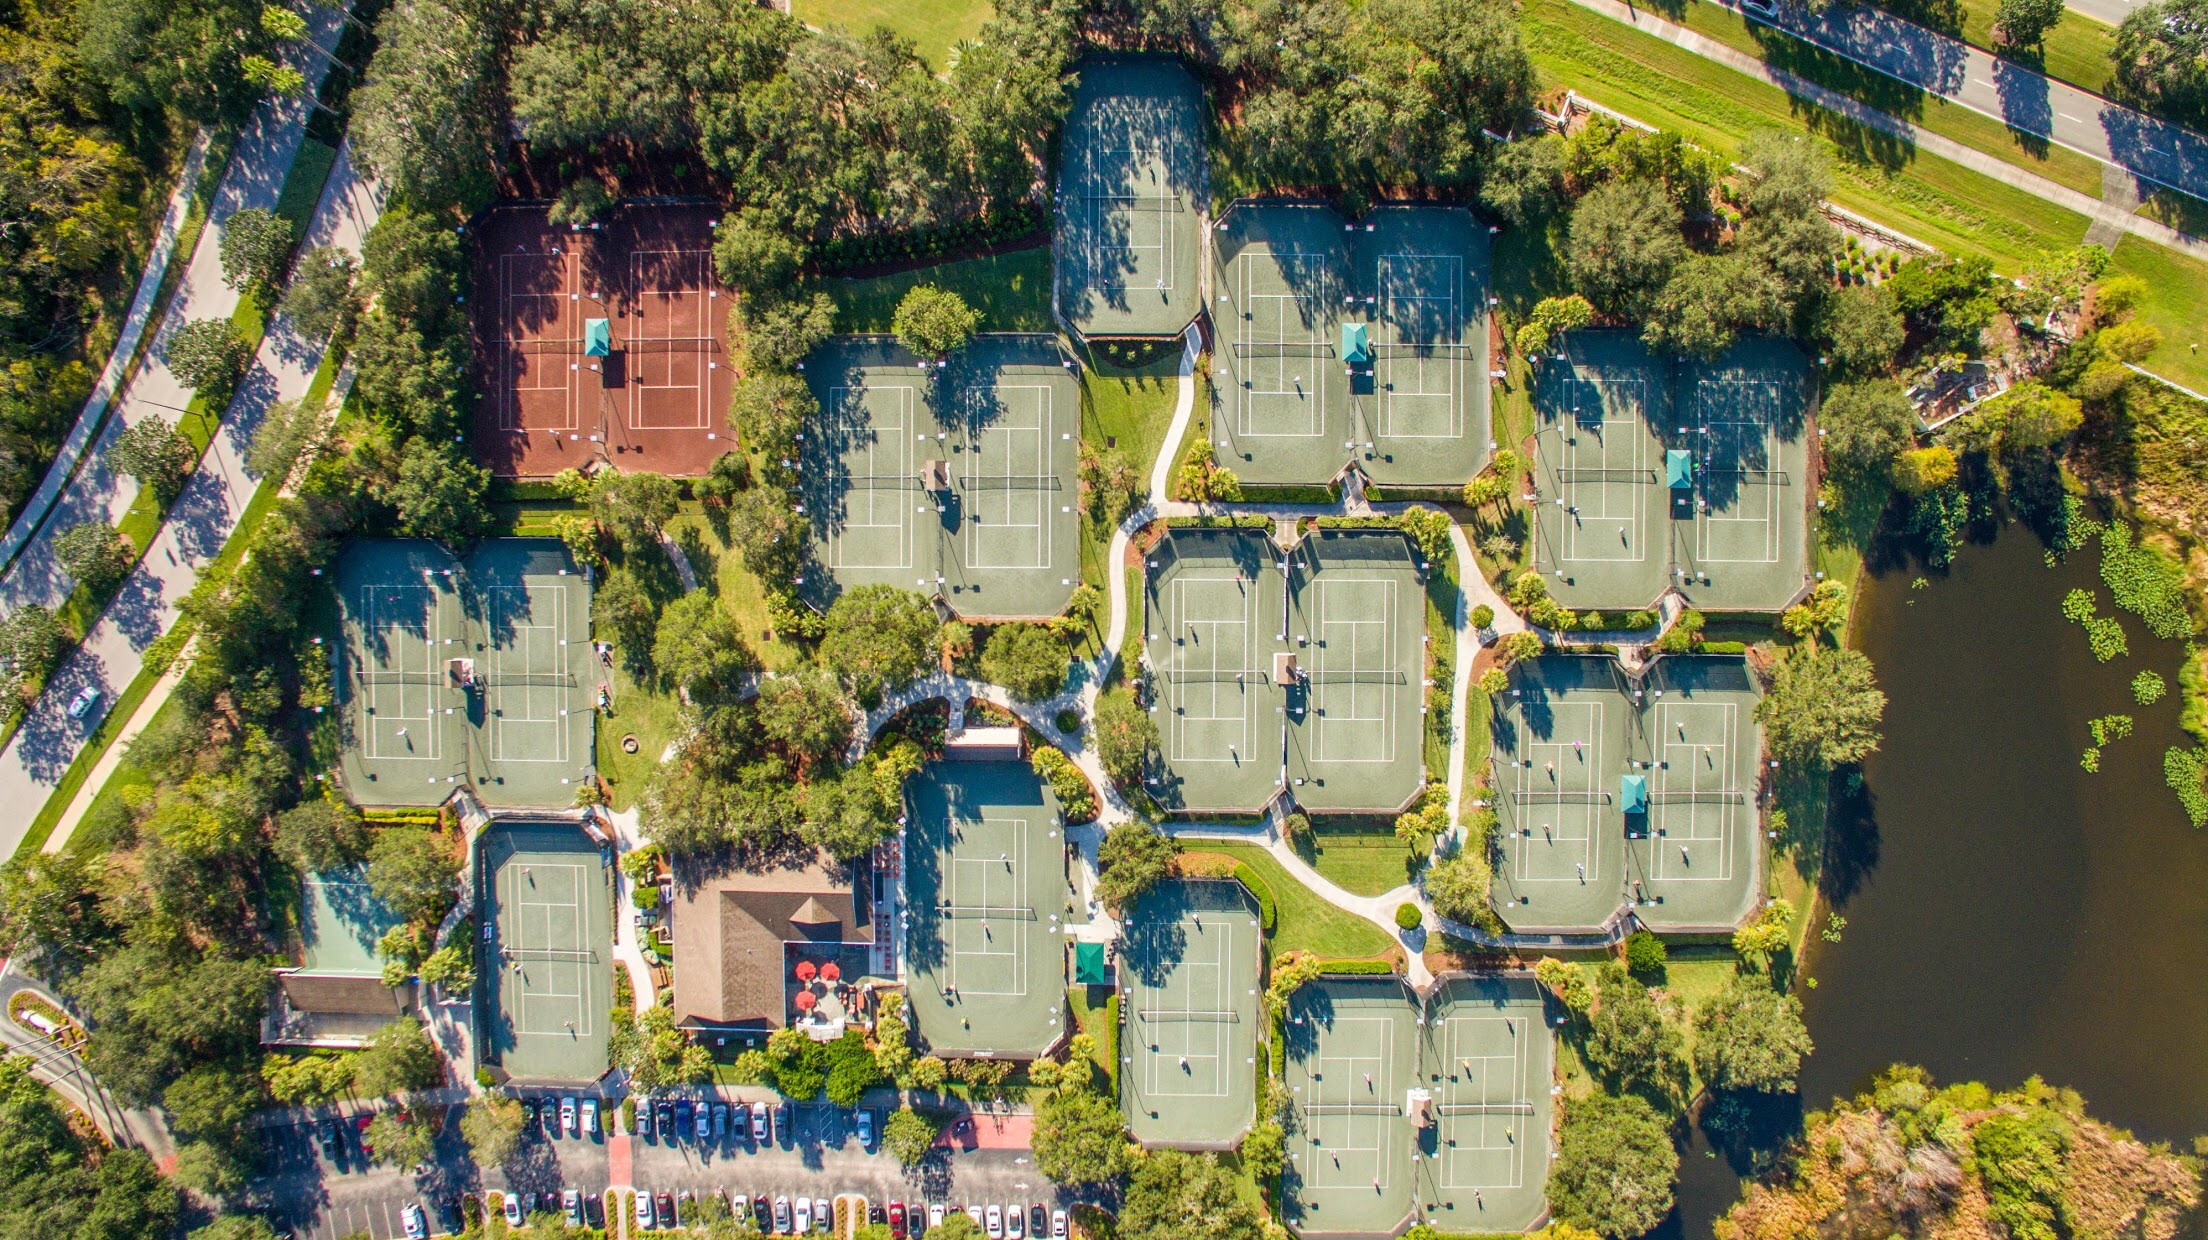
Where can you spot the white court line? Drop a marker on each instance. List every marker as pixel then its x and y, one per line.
pixel 1290 374
pixel 1354 597
pixel 1204 1065
pixel 1344 1130
pixel 990 868
pixel 1665 847
pixel 1461 1030
pixel 1006 442
pixel 1560 817
pixel 1449 358
pixel 524 993
pixel 896 498
pixel 528 642
pixel 400 641
pixel 551 371
pixel 1208 642
pixel 1743 512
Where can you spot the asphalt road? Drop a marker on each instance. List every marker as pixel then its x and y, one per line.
pixel 312 1197
pixel 2016 96
pixel 2111 11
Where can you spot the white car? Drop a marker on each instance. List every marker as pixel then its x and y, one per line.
pixel 417 1226
pixel 512 1207
pixel 643 1211
pixel 1013 1224
pixel 567 1116
pixel 935 1215
pixel 974 1213
pixel 1057 1225
pixel 704 1122
pixel 995 1224
pixel 759 1123
pixel 590 1117
pixel 804 1214
pixel 866 1130
pixel 82 704
pixel 824 1214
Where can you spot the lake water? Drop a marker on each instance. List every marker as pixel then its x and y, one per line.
pixel 2008 914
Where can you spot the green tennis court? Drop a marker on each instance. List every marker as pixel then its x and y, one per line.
pixel 1188 967
pixel 1487 1054
pixel 1132 184
pixel 1563 738
pixel 1353 1051
pixel 1747 545
pixel 1423 273
pixel 1602 520
pixel 546 965
pixel 1691 860
pixel 470 672
pixel 1653 475
pixel 986 890
pixel 1356 628
pixel 1280 279
pixel 962 483
pixel 1214 603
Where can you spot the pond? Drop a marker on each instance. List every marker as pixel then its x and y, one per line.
pixel 2008 913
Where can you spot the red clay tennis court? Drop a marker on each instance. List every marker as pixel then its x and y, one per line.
pixel 607 342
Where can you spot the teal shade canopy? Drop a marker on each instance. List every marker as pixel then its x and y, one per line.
pixel 1088 964
pixel 1356 347
pixel 1633 793
pixel 1678 468
pixel 597 338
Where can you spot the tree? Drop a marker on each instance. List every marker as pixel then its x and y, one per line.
pixel 806 712
pixel 768 535
pixel 1460 886
pixel 1028 659
pixel 414 871
pixel 1770 933
pixel 151 451
pixel 851 1069
pixel 1644 954
pixel 1265 1150
pixel 256 244
pixel 400 1139
pixel 655 1053
pixel 753 256
pixel 431 114
pixel 1173 1195
pixel 2161 59
pixel 626 614
pixel 319 301
pixel 1750 1036
pixel 698 648
pixel 2028 416
pixel 214 1102
pixel 1708 298
pixel 1614 1168
pixel 96 554
pixel 909 1136
pixel 439 493
pixel 956 1226
pixel 1568 982
pixel 1866 425
pixel 1525 179
pixel 400 1057
pixel 235 1227
pixel 325 833
pixel 934 322
pixel 1622 245
pixel 779 333
pixel 1919 470
pixel 492 1127
pixel 1823 707
pixel 208 356
pixel 849 814
pixel 634 507
pixel 1628 1039
pixel 1791 177
pixel 31 640
pixel 1126 735
pixel 1860 329
pixel 450 968
pixel 878 638
pixel 1133 857
pixel 282 438
pixel 1080 1139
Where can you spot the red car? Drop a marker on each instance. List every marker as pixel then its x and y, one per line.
pixel 897 1219
pixel 360 1125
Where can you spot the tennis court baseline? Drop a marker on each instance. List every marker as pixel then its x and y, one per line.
pixel 1488 1055
pixel 547 964
pixel 1356 625
pixel 1352 1061
pixel 1132 183
pixel 1188 965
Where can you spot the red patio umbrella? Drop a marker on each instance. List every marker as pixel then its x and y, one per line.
pixel 805 970
pixel 806 999
pixel 830 972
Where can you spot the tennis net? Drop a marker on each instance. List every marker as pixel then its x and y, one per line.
pixel 984 912
pixel 1772 477
pixel 574 955
pixel 1485 1108
pixel 1351 1108
pixel 572 345
pixel 1696 798
pixel 1606 475
pixel 1183 1016
pixel 539 679
pixel 1319 676
pixel 1408 349
pixel 1013 482
pixel 1313 349
pixel 1558 798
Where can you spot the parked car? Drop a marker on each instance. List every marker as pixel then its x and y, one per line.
pixel 897 1219
pixel 783 1129
pixel 781 1214
pixel 935 1215
pixel 974 1213
pixel 1037 1220
pixel 325 1133
pixel 643 1211
pixel 762 1213
pixel 82 704
pixel 804 1214
pixel 759 1123
pixel 876 1214
pixel 720 1122
pixel 415 1223
pixel 590 1117
pixel 571 1204
pixel 685 1112
pixel 824 1214
pixel 1014 1221
pixel 993 1221
pixel 360 1130
pixel 705 1122
pixel 866 1130
pixel 1057 1225
pixel 663 1116
pixel 511 1207
pixel 567 1116
pixel 663 1204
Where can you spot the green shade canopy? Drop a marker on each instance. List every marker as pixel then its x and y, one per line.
pixel 597 338
pixel 1356 350
pixel 1088 964
pixel 1678 468
pixel 1633 793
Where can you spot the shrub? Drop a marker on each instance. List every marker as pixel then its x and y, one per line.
pixel 1407 916
pixel 1132 858
pixel 1075 797
pixel 1482 616
pixel 1644 953
pixel 1268 912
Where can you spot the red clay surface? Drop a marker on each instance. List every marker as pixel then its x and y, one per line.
pixel 660 400
pixel 976 1131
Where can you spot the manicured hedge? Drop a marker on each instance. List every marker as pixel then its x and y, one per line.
pixel 1279 1049
pixel 1267 913
pixel 1111 1037
pixel 1339 968
pixel 1722 648
pixel 995 228
pixel 1218 523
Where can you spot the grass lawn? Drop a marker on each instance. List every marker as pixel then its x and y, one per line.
pixel 652 717
pixel 1306 922
pixel 933 25
pixel 1938 202
pixel 1012 291
pixel 1363 861
pixel 1919 107
pixel 2176 302
pixel 706 545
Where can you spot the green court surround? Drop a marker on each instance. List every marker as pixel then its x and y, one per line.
pixel 1352 1042
pixel 547 896
pixel 1133 183
pixel 1190 945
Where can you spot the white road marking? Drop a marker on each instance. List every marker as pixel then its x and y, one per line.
pixel 2066 116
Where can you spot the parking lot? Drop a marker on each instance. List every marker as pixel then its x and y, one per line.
pixel 311 1196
